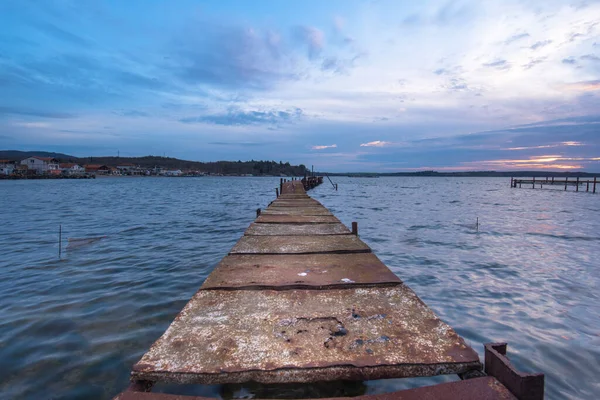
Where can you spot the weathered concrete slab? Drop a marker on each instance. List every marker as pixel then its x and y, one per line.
pixel 296 229
pixel 303 336
pixel 293 187
pixel 316 271
pixel 295 203
pixel 296 211
pixel 484 388
pixel 300 245
pixel 293 196
pixel 297 219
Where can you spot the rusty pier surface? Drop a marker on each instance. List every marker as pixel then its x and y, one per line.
pixel 300 299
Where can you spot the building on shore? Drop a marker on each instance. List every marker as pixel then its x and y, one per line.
pixel 41 165
pixel 7 167
pixel 71 168
pixel 97 169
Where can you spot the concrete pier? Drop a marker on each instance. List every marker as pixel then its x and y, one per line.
pixel 301 299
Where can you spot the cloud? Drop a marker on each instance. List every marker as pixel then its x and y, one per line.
pixel 376 143
pixel 61 34
pixel 35 113
pixel 590 57
pixel 312 37
pixel 547 146
pixel 584 86
pixel 243 144
pixel 533 62
pixel 236 117
pixel 235 57
pixel 569 60
pixel 32 124
pixel 331 146
pixel 338 65
pixel 497 64
pixel 540 44
pixel 131 113
pixel 516 37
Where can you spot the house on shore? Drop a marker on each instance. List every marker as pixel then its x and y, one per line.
pixel 97 169
pixel 71 168
pixel 41 165
pixel 7 167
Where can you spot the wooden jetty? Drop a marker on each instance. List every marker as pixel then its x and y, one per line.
pixel 588 183
pixel 301 299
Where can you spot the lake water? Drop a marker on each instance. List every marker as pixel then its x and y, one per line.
pixel 73 327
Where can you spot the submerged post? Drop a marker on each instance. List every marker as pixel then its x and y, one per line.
pixel 566 182
pixel 577 187
pixel 534 182
pixel 59 241
pixel 594 191
pixel 276 192
pixel 511 181
pixel 477 224
pixel 355 228
pixel 336 187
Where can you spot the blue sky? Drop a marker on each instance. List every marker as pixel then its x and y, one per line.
pixel 344 85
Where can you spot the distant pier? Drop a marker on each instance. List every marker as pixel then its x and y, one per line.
pixel 589 184
pixel 301 299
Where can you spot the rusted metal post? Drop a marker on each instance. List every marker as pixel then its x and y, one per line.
pixel 523 386
pixel 276 192
pixel 355 228
pixel 577 187
pixel 257 212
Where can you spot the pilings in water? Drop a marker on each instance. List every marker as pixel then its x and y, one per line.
pixel 589 183
pixel 301 299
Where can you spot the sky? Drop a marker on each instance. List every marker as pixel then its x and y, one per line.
pixel 344 85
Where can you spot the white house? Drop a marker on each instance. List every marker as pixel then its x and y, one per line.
pixel 41 164
pixel 6 167
pixel 71 168
pixel 176 172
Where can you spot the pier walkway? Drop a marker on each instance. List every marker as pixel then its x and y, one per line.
pixel 300 298
pixel 578 183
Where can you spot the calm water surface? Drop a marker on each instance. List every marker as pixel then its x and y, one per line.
pixel 72 328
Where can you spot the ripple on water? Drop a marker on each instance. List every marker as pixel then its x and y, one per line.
pixel 73 328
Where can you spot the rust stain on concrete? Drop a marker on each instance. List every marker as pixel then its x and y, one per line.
pixel 300 245
pixel 314 271
pixel 304 335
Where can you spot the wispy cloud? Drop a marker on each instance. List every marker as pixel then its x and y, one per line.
pixel 238 117
pixel 516 37
pixel 323 147
pixel 547 146
pixel 32 124
pixel 376 143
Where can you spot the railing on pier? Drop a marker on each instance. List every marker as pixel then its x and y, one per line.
pixel 588 182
